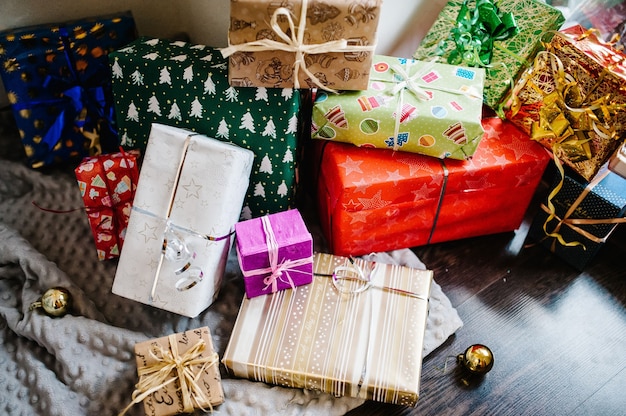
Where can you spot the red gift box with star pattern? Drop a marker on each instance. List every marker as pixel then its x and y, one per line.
pixel 372 200
pixel 107 185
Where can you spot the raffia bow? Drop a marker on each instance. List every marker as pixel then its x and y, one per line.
pixel 168 361
pixel 294 42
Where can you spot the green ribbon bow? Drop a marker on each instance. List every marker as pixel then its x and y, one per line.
pixel 476 31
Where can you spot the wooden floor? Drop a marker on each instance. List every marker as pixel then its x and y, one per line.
pixel 558 335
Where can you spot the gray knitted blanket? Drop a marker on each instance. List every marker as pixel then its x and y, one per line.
pixel 83 363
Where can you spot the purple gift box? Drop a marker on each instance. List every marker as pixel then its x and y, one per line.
pixel 275 252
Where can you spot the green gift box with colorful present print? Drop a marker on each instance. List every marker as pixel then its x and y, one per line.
pixel 421 107
pixel 186 85
pixel 501 36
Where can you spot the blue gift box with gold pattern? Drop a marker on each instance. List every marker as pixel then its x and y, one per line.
pixel 58 82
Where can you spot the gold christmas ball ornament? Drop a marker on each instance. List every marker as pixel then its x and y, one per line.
pixel 477 359
pixel 56 301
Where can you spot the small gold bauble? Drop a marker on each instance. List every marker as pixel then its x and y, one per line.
pixel 56 301
pixel 477 359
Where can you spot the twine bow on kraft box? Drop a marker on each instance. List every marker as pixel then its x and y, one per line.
pixel 357 330
pixel 182 221
pixel 302 44
pixel 177 374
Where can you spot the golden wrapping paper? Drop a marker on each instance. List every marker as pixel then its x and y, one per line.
pixel 195 348
pixel 365 342
pixel 572 100
pixel 272 45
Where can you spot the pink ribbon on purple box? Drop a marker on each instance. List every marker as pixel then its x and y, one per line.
pixel 276 269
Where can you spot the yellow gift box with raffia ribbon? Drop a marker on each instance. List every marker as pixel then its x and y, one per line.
pixel 177 374
pixel 573 101
pixel 357 330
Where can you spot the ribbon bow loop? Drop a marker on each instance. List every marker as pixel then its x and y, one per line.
pixel 171 366
pixel 475 32
pixel 294 42
pixel 408 82
pixel 352 279
pixel 278 269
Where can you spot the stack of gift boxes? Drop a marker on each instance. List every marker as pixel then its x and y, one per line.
pixel 447 145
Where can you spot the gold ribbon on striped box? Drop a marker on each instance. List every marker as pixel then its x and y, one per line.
pixel 360 343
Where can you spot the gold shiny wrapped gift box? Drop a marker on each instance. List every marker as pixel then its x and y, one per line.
pixel 302 44
pixel 573 100
pixel 338 336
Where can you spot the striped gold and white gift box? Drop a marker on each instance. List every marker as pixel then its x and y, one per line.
pixel 365 344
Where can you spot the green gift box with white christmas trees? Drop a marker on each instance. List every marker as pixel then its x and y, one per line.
pixel 186 85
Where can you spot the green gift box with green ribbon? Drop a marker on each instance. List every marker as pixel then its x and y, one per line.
pixel 430 108
pixel 186 85
pixel 503 37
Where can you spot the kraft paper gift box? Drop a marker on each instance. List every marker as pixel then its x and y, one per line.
pixel 361 340
pixel 186 85
pixel 58 82
pixel 578 217
pixel 275 252
pixel 302 44
pixel 504 38
pixel 422 107
pixel 200 388
pixel 572 100
pixel 107 185
pixel 189 196
pixel 371 200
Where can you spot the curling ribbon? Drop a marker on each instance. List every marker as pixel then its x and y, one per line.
pixel 574 222
pixel 276 270
pixel 295 43
pixel 354 272
pixel 156 376
pixel 565 123
pixel 171 238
